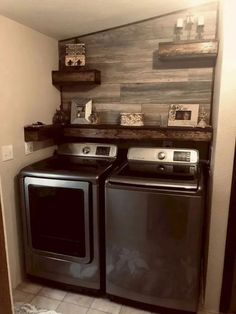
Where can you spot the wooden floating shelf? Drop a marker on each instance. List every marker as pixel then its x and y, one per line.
pixel 138 133
pixel 75 78
pixel 188 50
pixel 117 132
pixel 41 133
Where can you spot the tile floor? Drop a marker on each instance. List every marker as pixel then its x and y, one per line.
pixel 68 303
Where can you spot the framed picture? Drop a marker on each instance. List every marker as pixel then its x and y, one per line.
pixel 183 115
pixel 81 112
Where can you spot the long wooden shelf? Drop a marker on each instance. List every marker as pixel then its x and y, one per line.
pixel 188 50
pixel 138 133
pixel 117 132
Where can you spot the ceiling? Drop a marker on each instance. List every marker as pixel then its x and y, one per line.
pixel 62 19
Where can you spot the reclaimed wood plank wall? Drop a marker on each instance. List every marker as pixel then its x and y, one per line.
pixel 133 79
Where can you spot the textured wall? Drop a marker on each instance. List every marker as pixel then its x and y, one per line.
pixel 132 74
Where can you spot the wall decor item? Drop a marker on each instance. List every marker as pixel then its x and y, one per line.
pixel 131 119
pixel 60 117
pixel 183 115
pixel 203 116
pixel 75 55
pixel 81 112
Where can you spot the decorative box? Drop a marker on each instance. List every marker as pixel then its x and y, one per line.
pixel 75 55
pixel 131 119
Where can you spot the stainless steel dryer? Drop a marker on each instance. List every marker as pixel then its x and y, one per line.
pixel 154 220
pixel 63 207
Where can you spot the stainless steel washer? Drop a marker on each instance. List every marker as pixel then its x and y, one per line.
pixel 154 220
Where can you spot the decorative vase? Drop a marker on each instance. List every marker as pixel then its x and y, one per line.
pixel 60 117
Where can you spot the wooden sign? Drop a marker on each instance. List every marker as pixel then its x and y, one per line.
pixel 75 55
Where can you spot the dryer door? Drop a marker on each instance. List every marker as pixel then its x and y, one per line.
pixel 58 218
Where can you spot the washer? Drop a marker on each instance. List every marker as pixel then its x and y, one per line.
pixel 63 210
pixel 154 222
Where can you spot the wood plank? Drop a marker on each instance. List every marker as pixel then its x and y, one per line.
pixel 200 74
pixel 139 72
pixel 5 293
pixel 63 78
pixel 139 133
pixel 178 92
pixel 184 50
pixel 143 72
pixel 100 94
pixel 122 54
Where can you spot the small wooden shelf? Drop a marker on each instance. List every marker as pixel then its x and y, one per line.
pixel 117 132
pixel 75 78
pixel 41 133
pixel 188 50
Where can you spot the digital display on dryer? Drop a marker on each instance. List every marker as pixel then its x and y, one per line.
pixel 181 156
pixel 103 151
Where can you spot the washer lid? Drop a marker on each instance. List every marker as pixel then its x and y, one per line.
pixel 160 175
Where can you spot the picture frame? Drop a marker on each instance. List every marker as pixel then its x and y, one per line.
pixel 183 115
pixel 81 112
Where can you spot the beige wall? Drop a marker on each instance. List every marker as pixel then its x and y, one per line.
pixel 224 119
pixel 26 95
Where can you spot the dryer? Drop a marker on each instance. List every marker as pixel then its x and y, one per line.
pixel 62 201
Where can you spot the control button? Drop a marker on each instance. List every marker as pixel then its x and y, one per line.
pixel 161 168
pixel 161 155
pixel 86 150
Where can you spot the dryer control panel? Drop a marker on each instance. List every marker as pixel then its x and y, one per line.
pixel 166 155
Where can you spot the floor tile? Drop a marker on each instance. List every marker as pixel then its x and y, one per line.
pixel 45 303
pixel 132 310
pixel 52 293
pixel 21 296
pixel 106 306
pixel 79 299
pixel 68 308
pixel 29 287
pixel 94 311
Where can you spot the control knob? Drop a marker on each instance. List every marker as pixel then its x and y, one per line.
pixel 86 150
pixel 161 155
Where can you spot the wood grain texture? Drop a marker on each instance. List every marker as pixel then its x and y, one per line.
pixel 42 133
pixel 187 50
pixel 177 92
pixel 140 133
pixel 62 78
pixel 5 298
pixel 133 74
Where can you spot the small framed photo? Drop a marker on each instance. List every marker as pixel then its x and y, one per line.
pixel 183 115
pixel 81 111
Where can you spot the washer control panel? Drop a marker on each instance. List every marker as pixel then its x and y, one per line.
pixel 167 155
pixel 88 149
